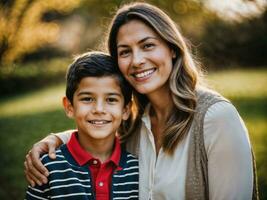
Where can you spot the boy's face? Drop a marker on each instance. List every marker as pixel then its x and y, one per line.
pixel 98 108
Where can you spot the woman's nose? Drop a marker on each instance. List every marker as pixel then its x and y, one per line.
pixel 138 59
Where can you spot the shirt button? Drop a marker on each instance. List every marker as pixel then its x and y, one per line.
pixel 94 162
pixel 101 184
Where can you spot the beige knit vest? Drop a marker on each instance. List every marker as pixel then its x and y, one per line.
pixel 197 183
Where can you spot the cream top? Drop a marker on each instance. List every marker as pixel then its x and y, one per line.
pixel 228 149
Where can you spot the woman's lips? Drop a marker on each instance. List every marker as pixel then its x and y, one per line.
pixel 143 75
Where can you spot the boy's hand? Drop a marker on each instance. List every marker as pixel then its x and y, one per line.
pixel 34 171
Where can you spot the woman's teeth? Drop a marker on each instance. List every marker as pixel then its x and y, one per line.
pixel 144 74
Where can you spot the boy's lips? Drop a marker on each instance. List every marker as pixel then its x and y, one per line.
pixel 99 122
pixel 141 75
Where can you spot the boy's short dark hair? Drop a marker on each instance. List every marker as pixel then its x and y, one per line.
pixel 95 64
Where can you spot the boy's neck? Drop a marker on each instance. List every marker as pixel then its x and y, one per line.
pixel 99 148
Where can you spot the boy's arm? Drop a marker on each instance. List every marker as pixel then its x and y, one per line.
pixel 35 171
pixel 37 192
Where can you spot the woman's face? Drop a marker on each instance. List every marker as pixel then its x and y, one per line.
pixel 144 57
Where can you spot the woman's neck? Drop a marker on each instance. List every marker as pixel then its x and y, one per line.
pixel 161 107
pixel 161 104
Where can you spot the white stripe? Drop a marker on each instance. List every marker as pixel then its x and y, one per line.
pixel 65 170
pixel 123 192
pixel 58 151
pixel 72 194
pixel 34 189
pixel 69 185
pixel 133 196
pixel 129 168
pixel 68 179
pixel 46 155
pixel 128 161
pixel 35 196
pixel 130 174
pixel 55 162
pixel 130 155
pixel 125 183
pixel 41 191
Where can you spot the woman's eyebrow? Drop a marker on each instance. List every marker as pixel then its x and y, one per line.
pixel 139 42
pixel 146 38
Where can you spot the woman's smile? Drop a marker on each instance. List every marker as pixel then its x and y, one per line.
pixel 143 75
pixel 144 58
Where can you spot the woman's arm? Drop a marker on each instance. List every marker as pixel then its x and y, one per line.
pixel 35 171
pixel 230 167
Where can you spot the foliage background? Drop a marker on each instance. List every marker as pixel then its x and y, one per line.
pixel 39 38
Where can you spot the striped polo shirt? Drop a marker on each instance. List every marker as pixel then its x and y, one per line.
pixel 68 180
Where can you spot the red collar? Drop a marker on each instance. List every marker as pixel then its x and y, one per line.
pixel 81 156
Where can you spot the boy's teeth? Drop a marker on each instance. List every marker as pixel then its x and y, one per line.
pixel 144 74
pixel 99 122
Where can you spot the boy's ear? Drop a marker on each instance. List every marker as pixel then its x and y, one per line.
pixel 126 111
pixel 68 107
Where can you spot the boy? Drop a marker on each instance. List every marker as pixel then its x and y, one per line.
pixel 92 165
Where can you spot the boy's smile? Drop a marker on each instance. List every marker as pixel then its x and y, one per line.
pixel 98 109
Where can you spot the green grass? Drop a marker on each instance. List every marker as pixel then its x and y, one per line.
pixel 247 89
pixel 26 118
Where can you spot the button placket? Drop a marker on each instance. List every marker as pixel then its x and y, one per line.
pixel 95 162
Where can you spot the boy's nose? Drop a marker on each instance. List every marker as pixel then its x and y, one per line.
pixel 99 107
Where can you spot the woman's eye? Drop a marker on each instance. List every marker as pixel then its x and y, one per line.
pixel 124 53
pixel 148 46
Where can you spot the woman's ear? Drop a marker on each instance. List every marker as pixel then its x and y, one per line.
pixel 68 107
pixel 126 111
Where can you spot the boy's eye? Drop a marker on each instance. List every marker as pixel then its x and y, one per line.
pixel 87 99
pixel 112 100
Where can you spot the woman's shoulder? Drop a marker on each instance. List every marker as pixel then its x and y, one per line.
pixel 204 94
pixel 206 99
pixel 221 111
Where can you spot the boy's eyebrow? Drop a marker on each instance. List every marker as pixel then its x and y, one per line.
pixel 84 93
pixel 91 93
pixel 114 93
pixel 139 42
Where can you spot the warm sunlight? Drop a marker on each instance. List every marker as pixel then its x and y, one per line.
pixel 237 9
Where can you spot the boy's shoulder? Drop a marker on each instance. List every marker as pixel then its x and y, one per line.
pixel 128 159
pixel 60 157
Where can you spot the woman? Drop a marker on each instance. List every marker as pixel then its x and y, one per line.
pixel 191 142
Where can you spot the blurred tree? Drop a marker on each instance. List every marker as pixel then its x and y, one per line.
pixel 23 28
pixel 228 43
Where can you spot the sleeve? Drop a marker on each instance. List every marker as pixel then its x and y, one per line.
pixel 37 192
pixel 64 136
pixel 230 166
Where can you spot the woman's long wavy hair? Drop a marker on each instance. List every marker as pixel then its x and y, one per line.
pixel 183 79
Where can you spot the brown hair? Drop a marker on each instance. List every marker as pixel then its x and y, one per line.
pixel 184 76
